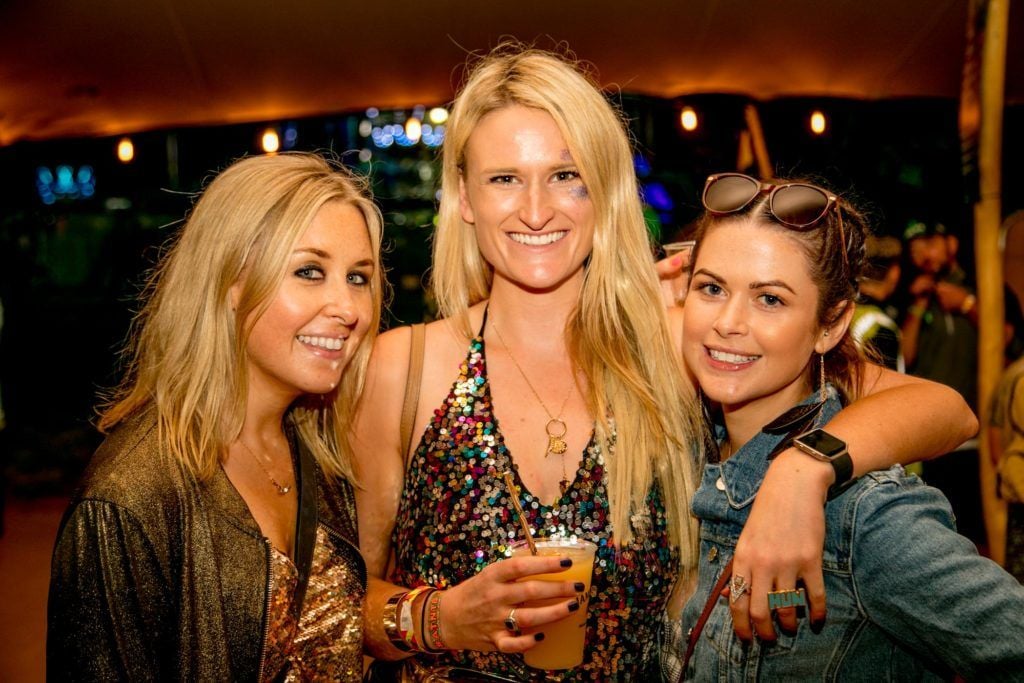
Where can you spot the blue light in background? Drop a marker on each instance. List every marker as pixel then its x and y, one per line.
pixel 65 183
pixel 641 165
pixel 658 197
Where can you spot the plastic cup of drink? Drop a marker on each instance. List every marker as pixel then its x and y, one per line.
pixel 679 282
pixel 562 647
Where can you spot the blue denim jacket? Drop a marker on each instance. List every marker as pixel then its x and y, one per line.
pixel 908 597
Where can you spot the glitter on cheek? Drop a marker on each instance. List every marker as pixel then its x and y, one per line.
pixel 579 192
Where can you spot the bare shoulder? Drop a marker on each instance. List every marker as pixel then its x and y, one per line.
pixel 445 348
pixel 380 404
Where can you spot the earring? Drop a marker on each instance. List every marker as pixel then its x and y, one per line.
pixel 821 376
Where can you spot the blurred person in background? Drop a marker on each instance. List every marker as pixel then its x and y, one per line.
pixel 874 319
pixel 1006 437
pixel 940 343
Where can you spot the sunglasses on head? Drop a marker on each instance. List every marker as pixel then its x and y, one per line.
pixel 797 205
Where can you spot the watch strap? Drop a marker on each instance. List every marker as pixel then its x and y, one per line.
pixel 843 466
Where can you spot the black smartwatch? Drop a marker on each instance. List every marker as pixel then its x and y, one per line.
pixel 821 445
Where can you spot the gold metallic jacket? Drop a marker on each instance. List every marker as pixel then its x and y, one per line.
pixel 157 576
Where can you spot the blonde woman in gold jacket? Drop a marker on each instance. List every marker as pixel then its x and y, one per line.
pixel 213 536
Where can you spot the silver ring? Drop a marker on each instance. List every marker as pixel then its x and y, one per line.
pixel 737 587
pixel 511 624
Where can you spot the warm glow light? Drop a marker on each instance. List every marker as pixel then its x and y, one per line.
pixel 438 115
pixel 818 123
pixel 271 142
pixel 413 129
pixel 688 118
pixel 125 150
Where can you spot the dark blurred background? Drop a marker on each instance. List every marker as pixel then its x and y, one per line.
pixel 194 85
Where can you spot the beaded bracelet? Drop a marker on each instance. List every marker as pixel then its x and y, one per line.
pixel 389 620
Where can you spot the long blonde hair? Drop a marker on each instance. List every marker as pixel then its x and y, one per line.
pixel 618 334
pixel 187 355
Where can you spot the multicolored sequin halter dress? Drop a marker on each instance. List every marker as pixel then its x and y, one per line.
pixel 455 518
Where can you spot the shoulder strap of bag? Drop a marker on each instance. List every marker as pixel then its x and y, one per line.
pixel 691 641
pixel 412 387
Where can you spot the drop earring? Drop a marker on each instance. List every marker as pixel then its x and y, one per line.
pixel 821 376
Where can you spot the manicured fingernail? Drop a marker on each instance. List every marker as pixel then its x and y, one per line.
pixel 579 587
pixel 538 637
pixel 817 625
pixel 574 605
pixel 566 562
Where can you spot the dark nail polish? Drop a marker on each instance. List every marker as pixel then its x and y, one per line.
pixel 817 626
pixel 579 587
pixel 566 562
pixel 574 605
pixel 538 637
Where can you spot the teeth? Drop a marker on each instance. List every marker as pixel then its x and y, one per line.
pixel 538 240
pixel 329 343
pixel 730 357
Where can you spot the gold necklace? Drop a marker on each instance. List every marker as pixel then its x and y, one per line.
pixel 555 427
pixel 281 490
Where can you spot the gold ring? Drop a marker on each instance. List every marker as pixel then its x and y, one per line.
pixel 790 598
pixel 737 587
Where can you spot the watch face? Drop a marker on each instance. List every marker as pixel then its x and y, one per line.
pixel 823 442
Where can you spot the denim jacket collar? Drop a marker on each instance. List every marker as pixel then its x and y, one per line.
pixel 744 471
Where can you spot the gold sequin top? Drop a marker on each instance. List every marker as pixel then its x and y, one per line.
pixel 324 642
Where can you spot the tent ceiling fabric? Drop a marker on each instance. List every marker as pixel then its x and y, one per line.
pixel 104 67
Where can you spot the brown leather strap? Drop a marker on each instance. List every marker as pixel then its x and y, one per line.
pixel 412 387
pixel 695 632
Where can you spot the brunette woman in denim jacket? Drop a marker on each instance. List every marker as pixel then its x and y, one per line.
pixel 770 298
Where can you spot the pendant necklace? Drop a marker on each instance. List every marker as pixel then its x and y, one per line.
pixel 281 490
pixel 555 427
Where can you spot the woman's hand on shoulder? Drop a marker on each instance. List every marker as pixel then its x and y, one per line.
pixel 672 276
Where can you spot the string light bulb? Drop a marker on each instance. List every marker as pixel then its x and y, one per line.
pixel 271 141
pixel 413 129
pixel 688 119
pixel 125 150
pixel 818 122
pixel 438 115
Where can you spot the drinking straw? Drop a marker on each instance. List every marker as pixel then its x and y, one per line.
pixel 514 495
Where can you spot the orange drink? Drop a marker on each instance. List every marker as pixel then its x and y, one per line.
pixel 562 647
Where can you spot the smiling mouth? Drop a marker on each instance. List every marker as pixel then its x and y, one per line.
pixel 537 240
pixel 734 358
pixel 327 343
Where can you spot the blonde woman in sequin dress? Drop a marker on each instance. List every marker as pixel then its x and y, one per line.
pixel 213 536
pixel 553 315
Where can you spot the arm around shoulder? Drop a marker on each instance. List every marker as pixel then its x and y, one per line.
pixel 902 419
